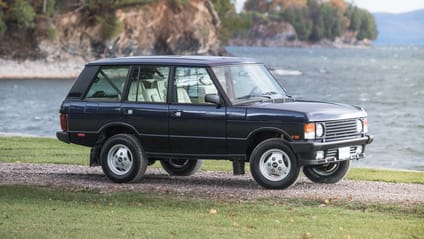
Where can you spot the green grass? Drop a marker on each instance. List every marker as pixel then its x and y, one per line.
pixel 392 176
pixel 48 150
pixel 31 212
pixel 41 150
pixel 27 212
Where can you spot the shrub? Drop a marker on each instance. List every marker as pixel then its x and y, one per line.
pixel 3 26
pixel 111 26
pixel 22 13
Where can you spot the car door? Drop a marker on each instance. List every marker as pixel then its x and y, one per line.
pixel 146 108
pixel 195 126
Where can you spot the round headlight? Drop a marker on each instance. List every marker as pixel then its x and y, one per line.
pixel 359 126
pixel 319 128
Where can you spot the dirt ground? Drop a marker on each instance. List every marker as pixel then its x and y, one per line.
pixel 208 185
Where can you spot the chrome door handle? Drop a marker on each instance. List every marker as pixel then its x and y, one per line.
pixel 176 113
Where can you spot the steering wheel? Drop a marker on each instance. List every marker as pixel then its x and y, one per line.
pixel 204 81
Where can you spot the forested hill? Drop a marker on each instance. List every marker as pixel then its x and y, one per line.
pixel 62 29
pixel 89 29
pixel 400 29
pixel 288 22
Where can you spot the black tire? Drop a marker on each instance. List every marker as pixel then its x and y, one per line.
pixel 181 167
pixel 327 173
pixel 122 159
pixel 273 164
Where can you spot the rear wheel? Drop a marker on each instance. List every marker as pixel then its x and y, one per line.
pixel 327 173
pixel 181 167
pixel 122 159
pixel 274 165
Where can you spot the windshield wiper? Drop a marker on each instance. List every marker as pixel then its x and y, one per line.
pixel 254 96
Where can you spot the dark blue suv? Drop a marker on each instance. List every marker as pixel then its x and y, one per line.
pixel 180 110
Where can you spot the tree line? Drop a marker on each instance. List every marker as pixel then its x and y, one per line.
pixel 312 20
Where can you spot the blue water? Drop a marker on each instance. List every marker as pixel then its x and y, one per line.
pixel 387 82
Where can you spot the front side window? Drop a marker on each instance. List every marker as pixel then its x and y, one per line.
pixel 247 81
pixel 148 84
pixel 192 84
pixel 108 84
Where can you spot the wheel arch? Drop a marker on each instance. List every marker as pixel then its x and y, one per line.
pixel 259 135
pixel 114 128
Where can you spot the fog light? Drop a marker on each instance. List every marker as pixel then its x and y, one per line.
pixel 358 150
pixel 319 155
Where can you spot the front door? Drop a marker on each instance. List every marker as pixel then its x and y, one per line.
pixel 195 126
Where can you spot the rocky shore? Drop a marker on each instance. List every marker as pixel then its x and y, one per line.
pixel 28 69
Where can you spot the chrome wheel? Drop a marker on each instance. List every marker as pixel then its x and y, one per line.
pixel 327 173
pixel 275 164
pixel 326 169
pixel 120 159
pixel 181 167
pixel 178 163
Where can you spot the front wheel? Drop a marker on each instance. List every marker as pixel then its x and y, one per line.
pixel 327 173
pixel 122 159
pixel 274 165
pixel 181 167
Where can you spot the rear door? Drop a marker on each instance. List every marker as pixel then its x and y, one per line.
pixel 145 106
pixel 195 126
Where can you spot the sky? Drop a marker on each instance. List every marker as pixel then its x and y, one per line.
pixel 392 6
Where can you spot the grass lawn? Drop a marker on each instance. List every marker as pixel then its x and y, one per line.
pixel 27 212
pixel 48 150
pixel 33 212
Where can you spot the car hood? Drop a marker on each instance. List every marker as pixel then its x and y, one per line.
pixel 312 110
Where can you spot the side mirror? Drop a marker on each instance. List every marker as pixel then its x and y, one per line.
pixel 212 98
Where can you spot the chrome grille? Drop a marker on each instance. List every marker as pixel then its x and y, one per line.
pixel 340 129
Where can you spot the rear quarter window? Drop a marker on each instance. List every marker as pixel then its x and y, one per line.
pixel 108 84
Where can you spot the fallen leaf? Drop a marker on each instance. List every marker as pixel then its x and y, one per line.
pixel 306 235
pixel 212 211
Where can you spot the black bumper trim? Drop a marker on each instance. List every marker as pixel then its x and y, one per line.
pixel 305 147
pixel 63 136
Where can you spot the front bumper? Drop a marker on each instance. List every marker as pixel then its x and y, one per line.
pixel 306 151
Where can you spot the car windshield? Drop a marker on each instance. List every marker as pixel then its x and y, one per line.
pixel 248 82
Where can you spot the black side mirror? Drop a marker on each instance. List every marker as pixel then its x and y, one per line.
pixel 212 98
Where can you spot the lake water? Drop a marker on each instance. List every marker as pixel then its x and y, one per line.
pixel 387 82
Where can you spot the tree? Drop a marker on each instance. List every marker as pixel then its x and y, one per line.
pixel 3 26
pixel 256 6
pixel 299 17
pixel 333 20
pixel 22 13
pixel 368 28
pixel 354 16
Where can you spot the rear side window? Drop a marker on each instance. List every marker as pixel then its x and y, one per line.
pixel 148 84
pixel 108 84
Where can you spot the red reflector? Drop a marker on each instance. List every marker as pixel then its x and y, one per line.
pixel 64 122
pixel 81 135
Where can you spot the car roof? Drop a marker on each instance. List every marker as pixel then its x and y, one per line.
pixel 174 60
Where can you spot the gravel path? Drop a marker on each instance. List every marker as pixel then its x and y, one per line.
pixel 207 184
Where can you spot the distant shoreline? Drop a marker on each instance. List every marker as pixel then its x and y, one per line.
pixel 40 69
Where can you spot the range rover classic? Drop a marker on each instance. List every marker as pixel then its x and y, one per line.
pixel 181 110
